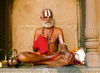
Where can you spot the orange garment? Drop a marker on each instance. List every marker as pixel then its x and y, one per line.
pixel 54 57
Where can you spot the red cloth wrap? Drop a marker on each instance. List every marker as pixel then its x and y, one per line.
pixel 41 44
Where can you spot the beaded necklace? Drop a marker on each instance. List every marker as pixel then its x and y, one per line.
pixel 50 34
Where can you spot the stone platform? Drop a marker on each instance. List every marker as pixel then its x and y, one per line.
pixel 48 69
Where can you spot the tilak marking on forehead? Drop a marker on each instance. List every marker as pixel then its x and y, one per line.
pixel 47 13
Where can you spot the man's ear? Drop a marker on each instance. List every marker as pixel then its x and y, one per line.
pixel 41 18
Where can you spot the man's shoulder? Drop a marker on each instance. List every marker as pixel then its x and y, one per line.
pixel 58 29
pixel 38 29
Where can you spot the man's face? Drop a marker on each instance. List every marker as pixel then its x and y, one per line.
pixel 48 22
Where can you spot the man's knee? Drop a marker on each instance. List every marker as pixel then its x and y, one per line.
pixel 23 57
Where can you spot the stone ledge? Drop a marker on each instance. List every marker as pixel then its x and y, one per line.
pixel 46 69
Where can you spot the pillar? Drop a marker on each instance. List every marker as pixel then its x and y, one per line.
pixel 92 43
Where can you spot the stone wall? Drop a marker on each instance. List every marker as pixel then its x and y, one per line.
pixel 26 18
pixel 98 18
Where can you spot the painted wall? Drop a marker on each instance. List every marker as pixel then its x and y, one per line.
pixel 26 18
pixel 98 19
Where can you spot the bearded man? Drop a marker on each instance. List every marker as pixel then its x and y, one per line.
pixel 46 41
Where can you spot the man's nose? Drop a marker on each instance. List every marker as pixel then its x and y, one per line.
pixel 48 18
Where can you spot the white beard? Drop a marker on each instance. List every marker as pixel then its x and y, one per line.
pixel 48 24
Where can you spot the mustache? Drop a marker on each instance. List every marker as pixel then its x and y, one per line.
pixel 47 22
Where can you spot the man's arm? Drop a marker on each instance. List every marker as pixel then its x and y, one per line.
pixel 63 46
pixel 36 34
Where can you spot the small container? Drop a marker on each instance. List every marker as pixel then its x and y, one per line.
pixel 4 63
pixel 0 64
pixel 13 61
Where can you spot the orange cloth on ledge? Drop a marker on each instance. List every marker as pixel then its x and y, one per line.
pixel 41 44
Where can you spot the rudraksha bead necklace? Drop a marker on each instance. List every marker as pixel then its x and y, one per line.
pixel 50 34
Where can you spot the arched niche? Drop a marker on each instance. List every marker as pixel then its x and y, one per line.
pixel 25 18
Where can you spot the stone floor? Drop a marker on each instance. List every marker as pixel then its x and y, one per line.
pixel 47 69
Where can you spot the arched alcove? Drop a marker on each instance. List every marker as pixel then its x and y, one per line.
pixel 23 17
pixel 26 18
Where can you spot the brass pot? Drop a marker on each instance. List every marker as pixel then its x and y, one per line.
pixel 13 61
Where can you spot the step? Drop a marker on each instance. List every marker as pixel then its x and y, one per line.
pixel 48 69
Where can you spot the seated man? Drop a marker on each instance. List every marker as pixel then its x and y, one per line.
pixel 46 41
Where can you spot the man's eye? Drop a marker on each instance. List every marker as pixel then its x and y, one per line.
pixel 45 17
pixel 48 17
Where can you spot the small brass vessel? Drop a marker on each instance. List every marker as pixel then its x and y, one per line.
pixel 4 63
pixel 0 64
pixel 13 61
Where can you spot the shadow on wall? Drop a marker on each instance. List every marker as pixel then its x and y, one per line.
pixel 5 26
pixel 82 22
pixel 2 24
pixel 4 53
